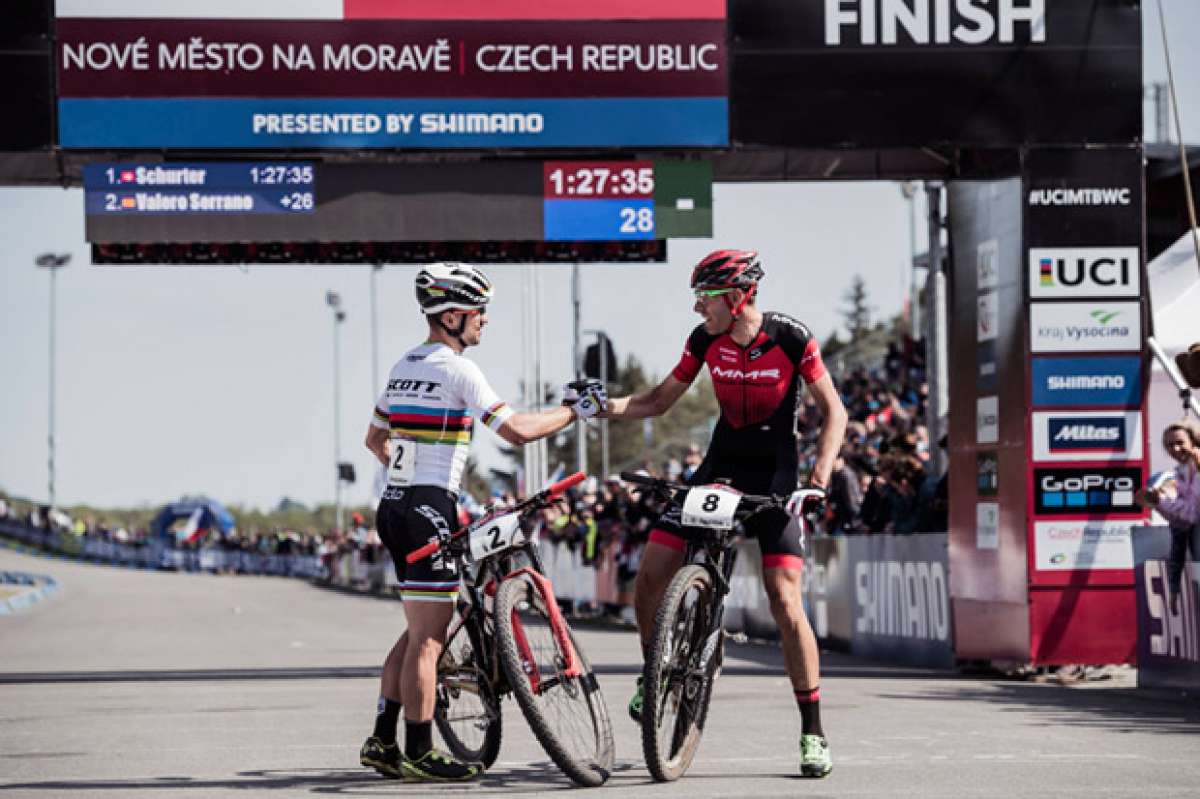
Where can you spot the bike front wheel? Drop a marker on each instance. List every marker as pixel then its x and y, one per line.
pixel 466 709
pixel 567 713
pixel 685 655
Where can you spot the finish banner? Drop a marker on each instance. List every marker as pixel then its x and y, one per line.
pixel 372 74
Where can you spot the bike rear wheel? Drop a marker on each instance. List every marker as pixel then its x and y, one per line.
pixel 685 655
pixel 568 715
pixel 466 710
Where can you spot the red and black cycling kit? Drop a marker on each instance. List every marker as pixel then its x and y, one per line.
pixel 757 388
pixel 754 445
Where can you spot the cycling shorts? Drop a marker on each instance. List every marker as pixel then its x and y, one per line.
pixel 408 519
pixel 779 536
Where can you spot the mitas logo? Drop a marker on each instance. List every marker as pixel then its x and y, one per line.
pixel 1073 434
pixel 971 22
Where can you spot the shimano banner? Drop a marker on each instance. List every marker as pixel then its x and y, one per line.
pixel 1168 627
pixel 885 597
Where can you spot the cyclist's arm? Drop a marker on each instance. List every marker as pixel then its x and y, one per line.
pixel 829 403
pixel 654 402
pixel 523 428
pixel 377 442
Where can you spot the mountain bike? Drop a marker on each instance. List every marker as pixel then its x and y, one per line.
pixel 509 636
pixel 688 641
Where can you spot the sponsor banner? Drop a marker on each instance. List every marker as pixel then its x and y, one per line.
pixel 1087 435
pixel 1062 382
pixel 987 420
pixel 1168 632
pixel 1090 197
pixel 1086 491
pixel 987 473
pixel 987 265
pixel 986 365
pixel 1085 326
pixel 286 58
pixel 394 9
pixel 901 598
pixel 1082 546
pixel 988 318
pixel 426 124
pixel 987 525
pixel 1082 272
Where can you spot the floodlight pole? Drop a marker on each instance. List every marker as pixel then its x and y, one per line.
pixel 580 425
pixel 602 342
pixel 334 301
pixel 53 262
pixel 936 354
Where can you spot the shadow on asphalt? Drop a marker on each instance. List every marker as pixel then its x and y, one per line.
pixel 1116 709
pixel 540 776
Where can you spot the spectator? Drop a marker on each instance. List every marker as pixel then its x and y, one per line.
pixel 1177 498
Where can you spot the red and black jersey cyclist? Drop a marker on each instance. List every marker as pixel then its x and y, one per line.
pixel 759 363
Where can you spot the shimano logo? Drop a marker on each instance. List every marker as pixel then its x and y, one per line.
pixel 903 599
pixel 1074 197
pixel 738 374
pixel 881 22
pixel 1085 382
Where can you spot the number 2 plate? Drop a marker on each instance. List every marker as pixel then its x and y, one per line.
pixel 710 506
pixel 404 462
pixel 494 535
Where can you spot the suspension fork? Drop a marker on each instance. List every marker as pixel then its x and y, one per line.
pixel 722 575
pixel 558 627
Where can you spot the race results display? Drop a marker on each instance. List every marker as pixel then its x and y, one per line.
pixel 490 200
pixel 201 188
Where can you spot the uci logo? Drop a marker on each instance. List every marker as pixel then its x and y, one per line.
pixel 1079 271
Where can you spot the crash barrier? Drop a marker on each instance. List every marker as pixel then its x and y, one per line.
pixel 159 554
pixel 1168 634
pixel 19 590
pixel 881 596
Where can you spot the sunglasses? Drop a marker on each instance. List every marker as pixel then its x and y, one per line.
pixel 702 294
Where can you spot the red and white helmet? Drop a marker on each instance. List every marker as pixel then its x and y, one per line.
pixel 724 270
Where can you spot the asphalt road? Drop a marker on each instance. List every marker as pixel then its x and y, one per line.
pixel 130 683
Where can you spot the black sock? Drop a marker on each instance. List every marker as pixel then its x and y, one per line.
pixel 418 738
pixel 387 713
pixel 809 703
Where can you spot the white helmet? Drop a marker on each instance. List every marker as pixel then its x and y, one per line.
pixel 452 286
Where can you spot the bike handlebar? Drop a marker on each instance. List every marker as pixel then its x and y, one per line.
pixel 668 485
pixel 548 494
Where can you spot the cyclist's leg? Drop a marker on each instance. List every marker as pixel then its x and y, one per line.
pixel 782 567
pixel 660 560
pixel 380 751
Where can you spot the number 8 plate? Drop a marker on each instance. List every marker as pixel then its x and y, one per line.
pixel 710 506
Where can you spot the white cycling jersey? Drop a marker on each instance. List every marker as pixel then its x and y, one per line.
pixel 431 395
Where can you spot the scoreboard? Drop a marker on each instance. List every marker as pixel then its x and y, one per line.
pixel 306 202
pixel 200 188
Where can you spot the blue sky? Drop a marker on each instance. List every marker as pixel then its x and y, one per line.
pixel 175 380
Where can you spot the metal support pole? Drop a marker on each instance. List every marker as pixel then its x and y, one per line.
pixel 935 333
pixel 1185 391
pixel 53 369
pixel 580 426
pixel 52 262
pixel 334 301
pixel 375 386
pixel 604 422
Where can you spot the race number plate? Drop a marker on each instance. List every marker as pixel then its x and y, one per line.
pixel 404 462
pixel 495 535
pixel 710 506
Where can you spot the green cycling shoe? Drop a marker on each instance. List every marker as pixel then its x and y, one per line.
pixel 636 702
pixel 815 760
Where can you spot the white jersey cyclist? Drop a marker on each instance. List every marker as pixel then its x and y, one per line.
pixel 432 397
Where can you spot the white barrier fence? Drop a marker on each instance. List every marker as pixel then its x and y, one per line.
pixel 158 555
